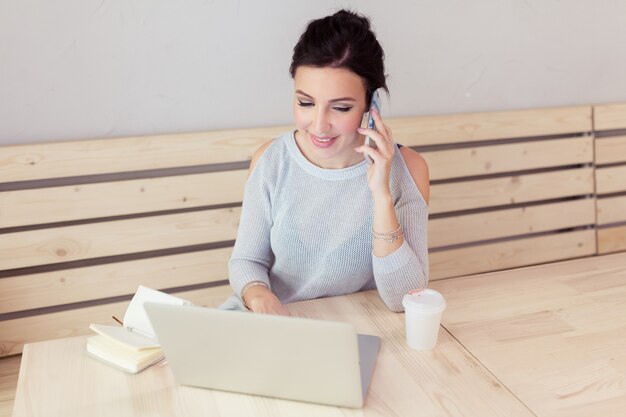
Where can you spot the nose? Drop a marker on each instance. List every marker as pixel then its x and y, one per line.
pixel 322 121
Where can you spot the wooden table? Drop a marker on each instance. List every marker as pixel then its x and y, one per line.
pixel 541 341
pixel 58 379
pixel 555 334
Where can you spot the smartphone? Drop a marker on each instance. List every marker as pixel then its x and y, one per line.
pixel 374 104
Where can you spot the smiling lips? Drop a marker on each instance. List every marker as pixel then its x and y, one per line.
pixel 322 142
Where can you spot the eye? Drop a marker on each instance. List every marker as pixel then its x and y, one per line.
pixel 343 109
pixel 304 103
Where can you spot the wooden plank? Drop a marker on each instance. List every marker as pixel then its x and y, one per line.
pixel 15 333
pixel 612 239
pixel 89 201
pixel 9 371
pixel 611 210
pixel 611 179
pixel 609 116
pixel 511 254
pixel 100 156
pixel 110 280
pixel 610 150
pixel 510 222
pixel 509 190
pixel 94 240
pixel 471 127
pixel 483 160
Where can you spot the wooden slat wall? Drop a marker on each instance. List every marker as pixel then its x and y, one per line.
pixel 120 237
pixel 610 149
pixel 507 189
pixel 489 192
pixel 81 284
pixel 83 223
pixel 104 156
pixel 497 224
pixel 609 117
pixel 512 253
pixel 483 160
pixel 71 202
pixel 474 127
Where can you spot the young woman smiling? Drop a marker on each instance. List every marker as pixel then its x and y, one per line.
pixel 318 220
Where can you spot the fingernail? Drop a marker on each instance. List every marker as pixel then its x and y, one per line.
pixel 360 129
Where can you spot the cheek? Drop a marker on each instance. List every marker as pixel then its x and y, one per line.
pixel 349 123
pixel 299 117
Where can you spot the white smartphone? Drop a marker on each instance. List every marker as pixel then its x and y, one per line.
pixel 374 104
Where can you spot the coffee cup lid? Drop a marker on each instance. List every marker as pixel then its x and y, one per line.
pixel 425 301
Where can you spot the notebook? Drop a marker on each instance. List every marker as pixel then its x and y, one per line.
pixel 127 359
pixel 283 357
pixel 133 346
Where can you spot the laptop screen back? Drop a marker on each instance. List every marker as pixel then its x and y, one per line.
pixel 283 357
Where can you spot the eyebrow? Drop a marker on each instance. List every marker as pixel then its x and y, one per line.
pixel 332 101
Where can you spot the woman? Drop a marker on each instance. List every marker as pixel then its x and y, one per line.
pixel 318 220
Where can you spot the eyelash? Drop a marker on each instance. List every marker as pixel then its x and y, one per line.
pixel 341 109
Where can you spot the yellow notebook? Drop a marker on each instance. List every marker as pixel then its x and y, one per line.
pixel 125 358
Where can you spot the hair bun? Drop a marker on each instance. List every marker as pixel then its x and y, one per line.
pixel 342 40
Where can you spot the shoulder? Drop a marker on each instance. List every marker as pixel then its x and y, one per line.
pixel 419 170
pixel 270 159
pixel 270 154
pixel 258 153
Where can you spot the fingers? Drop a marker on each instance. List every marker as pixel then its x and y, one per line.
pixel 381 136
pixel 380 126
pixel 274 307
pixel 373 153
pixel 380 140
pixel 384 146
pixel 383 150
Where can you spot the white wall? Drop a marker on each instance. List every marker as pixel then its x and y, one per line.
pixel 73 69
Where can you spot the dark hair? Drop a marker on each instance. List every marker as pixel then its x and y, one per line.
pixel 343 40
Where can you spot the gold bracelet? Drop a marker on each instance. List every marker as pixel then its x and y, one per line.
pixel 248 286
pixel 389 237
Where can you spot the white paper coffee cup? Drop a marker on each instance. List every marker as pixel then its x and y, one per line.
pixel 423 310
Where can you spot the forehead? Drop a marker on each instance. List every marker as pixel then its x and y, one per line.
pixel 328 82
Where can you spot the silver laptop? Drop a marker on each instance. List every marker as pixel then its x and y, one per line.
pixel 284 357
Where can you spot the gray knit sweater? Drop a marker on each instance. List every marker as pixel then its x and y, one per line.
pixel 307 231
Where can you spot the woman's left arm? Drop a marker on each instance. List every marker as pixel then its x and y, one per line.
pixel 400 255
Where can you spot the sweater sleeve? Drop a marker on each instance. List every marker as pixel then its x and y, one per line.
pixel 252 254
pixel 406 268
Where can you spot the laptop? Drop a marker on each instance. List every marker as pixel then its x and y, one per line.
pixel 293 358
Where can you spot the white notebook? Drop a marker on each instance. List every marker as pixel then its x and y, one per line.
pixel 132 346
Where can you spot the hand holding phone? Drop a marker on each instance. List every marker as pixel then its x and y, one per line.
pixel 374 104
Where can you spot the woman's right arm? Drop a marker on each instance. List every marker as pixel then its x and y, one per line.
pixel 252 255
